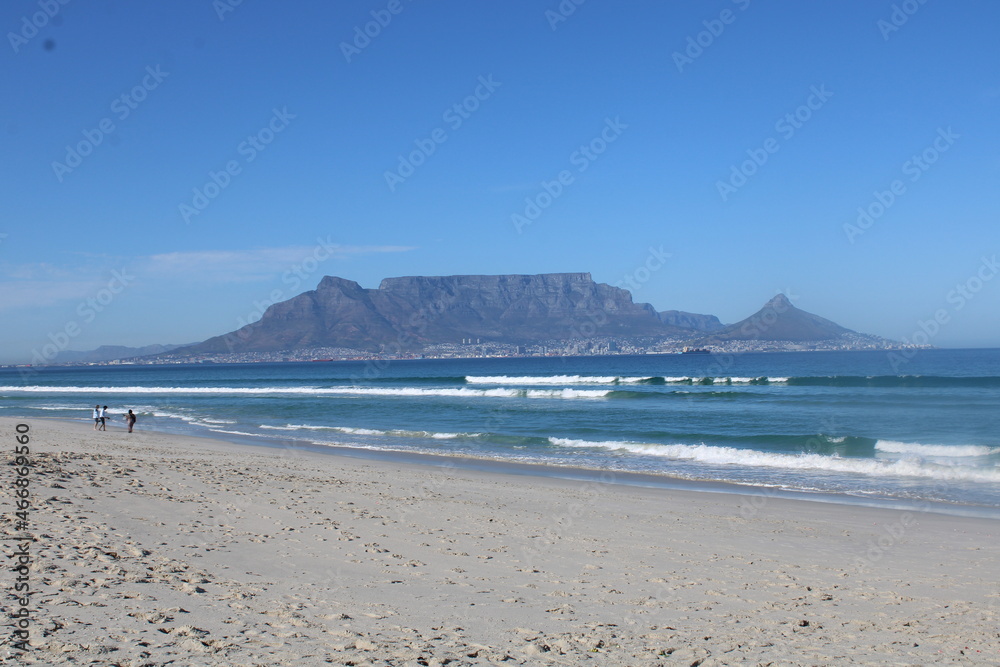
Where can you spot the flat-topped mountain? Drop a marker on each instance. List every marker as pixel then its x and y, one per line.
pixel 422 310
pixel 779 320
pixel 412 313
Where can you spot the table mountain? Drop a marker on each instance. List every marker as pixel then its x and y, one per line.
pixel 419 310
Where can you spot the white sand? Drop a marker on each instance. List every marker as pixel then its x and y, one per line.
pixel 156 549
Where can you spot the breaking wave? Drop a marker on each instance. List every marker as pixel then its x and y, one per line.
pixel 893 447
pixel 749 457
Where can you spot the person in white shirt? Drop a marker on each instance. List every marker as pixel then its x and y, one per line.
pixel 103 418
pixel 97 416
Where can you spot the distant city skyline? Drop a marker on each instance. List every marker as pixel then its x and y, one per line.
pixel 172 170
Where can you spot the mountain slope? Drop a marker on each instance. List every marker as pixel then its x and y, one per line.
pixel 413 311
pixel 111 352
pixel 678 318
pixel 779 320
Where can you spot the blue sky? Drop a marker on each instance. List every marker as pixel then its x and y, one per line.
pixel 171 169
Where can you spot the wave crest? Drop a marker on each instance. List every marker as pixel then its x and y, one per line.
pixel 750 457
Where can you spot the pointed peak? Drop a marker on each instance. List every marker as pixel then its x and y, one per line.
pixel 780 301
pixel 778 319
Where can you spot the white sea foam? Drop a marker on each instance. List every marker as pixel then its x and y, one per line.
pixel 749 457
pixel 300 427
pixel 172 415
pixel 722 380
pixel 358 431
pixel 548 379
pixel 567 393
pixel 461 392
pixel 219 430
pixel 523 380
pixel 338 429
pixel 893 447
pixel 353 430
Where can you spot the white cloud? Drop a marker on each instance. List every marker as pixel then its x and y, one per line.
pixel 43 284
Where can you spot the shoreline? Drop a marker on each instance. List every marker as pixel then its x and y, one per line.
pixel 585 474
pixel 194 361
pixel 155 547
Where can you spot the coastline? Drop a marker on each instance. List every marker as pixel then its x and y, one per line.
pixel 579 474
pixel 213 552
pixel 583 474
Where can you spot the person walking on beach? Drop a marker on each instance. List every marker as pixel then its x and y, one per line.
pixel 104 418
pixel 97 416
pixel 130 420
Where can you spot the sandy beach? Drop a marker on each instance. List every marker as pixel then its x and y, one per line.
pixel 155 549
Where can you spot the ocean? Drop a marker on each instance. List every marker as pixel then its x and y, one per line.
pixel 860 426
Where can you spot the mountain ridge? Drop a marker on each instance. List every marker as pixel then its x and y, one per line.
pixel 409 313
pixel 779 320
pixel 413 311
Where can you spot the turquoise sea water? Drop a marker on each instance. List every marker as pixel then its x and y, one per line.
pixel 859 424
